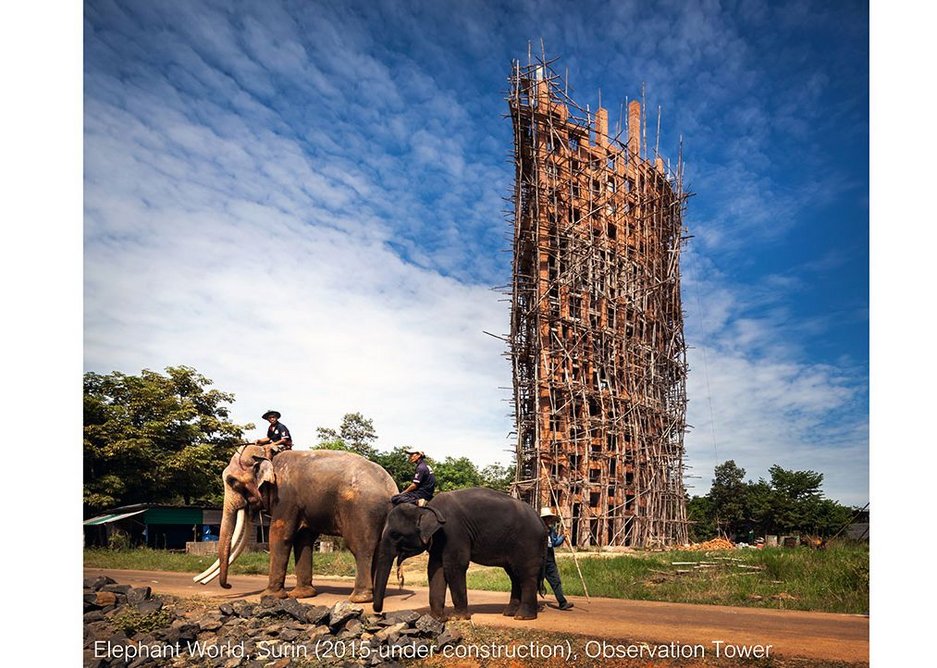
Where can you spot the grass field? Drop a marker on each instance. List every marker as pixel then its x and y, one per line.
pixel 831 580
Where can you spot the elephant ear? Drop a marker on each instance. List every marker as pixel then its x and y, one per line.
pixel 265 472
pixel 431 521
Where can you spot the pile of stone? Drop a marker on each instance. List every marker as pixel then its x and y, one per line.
pixel 127 626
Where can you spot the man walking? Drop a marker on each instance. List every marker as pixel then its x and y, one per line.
pixel 551 572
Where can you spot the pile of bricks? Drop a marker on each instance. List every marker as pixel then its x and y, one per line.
pixel 713 544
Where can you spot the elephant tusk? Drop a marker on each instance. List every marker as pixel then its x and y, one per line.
pixel 237 539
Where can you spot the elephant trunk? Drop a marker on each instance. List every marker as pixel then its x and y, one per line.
pixel 224 543
pixel 386 554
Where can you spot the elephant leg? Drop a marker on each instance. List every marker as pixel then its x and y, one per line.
pixel 527 580
pixel 364 553
pixel 281 543
pixel 515 601
pixel 436 576
pixel 455 576
pixel 303 544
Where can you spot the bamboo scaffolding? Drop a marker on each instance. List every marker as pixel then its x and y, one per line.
pixel 596 343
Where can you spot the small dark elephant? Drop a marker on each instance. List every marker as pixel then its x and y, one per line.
pixel 307 493
pixel 476 524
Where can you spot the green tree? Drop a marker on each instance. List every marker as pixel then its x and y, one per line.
pixel 796 498
pixel 155 438
pixel 729 498
pixel 452 473
pixel 699 511
pixel 762 501
pixel 792 502
pixel 356 434
pixel 498 477
pixel 397 464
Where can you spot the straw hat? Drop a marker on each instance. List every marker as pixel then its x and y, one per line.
pixel 547 512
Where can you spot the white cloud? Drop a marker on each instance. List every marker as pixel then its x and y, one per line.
pixel 307 210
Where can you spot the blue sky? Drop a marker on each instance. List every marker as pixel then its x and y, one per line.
pixel 305 202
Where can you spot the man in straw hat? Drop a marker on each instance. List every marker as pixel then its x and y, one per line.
pixel 278 436
pixel 550 571
pixel 424 482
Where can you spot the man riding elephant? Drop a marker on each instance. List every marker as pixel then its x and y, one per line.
pixel 424 482
pixel 278 436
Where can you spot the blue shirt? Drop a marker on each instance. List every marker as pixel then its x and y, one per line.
pixel 553 540
pixel 424 480
pixel 278 431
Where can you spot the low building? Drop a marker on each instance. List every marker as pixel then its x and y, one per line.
pixel 156 526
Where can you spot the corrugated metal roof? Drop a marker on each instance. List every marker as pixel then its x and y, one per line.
pixel 111 517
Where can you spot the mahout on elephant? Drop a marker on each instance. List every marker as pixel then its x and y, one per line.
pixel 306 493
pixel 476 524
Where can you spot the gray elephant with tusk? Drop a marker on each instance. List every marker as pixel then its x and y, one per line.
pixel 306 493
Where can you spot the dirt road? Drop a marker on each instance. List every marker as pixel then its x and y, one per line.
pixel 813 635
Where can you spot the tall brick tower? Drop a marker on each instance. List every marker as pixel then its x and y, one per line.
pixel 596 344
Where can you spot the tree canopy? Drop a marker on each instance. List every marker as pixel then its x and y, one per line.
pixel 356 434
pixel 790 502
pixel 155 438
pixel 165 438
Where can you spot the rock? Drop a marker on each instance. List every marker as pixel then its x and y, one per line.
pixel 429 625
pixel 96 631
pixel 94 616
pixel 209 623
pixel 269 601
pixel 91 601
pixel 90 661
pixel 406 616
pixel 117 588
pixel 448 637
pixel 390 632
pixel 294 609
pixel 272 629
pixel 149 607
pixel 243 609
pixel 141 661
pixel 95 582
pixel 105 598
pixel 180 632
pixel 341 612
pixel 354 626
pixel 139 594
pixel 316 614
pixel 281 626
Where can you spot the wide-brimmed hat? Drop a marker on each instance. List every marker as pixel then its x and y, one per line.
pixel 546 512
pixel 415 452
pixel 268 414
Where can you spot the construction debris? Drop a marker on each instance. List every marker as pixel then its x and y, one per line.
pixel 714 544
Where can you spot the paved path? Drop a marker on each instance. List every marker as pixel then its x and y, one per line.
pixel 814 635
